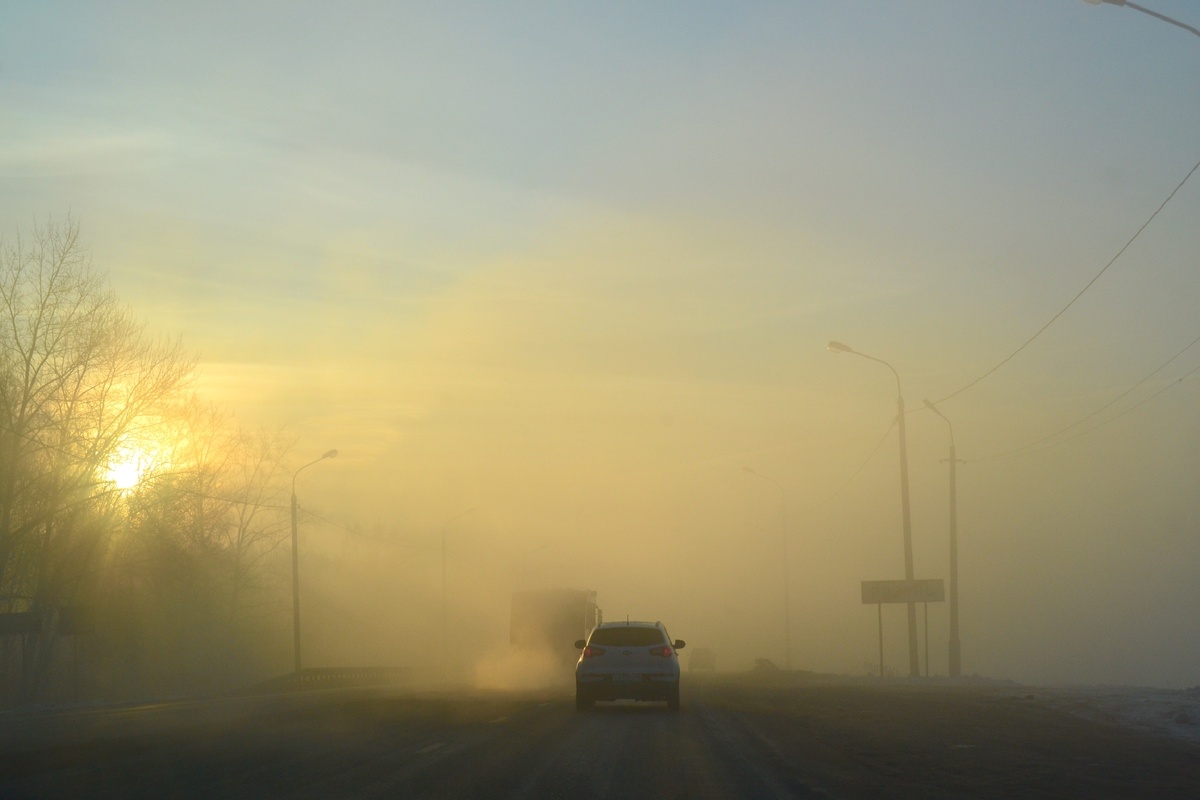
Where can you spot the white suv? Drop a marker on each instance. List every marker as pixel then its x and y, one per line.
pixel 627 661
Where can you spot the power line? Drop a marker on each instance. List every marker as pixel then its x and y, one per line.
pixel 863 465
pixel 1031 447
pixel 1100 410
pixel 1063 310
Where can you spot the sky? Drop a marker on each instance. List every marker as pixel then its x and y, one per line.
pixel 552 276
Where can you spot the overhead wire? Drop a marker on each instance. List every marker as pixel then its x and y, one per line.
pixel 1041 330
pixel 863 465
pixel 1105 423
pixel 1081 292
pixel 1102 409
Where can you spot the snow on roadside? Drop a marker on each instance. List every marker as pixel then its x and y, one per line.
pixel 1166 712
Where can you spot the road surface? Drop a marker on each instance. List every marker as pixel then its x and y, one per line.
pixel 734 738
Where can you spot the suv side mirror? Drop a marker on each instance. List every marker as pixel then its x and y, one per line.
pixel 580 644
pixel 679 644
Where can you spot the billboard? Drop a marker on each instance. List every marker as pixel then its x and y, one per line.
pixel 929 590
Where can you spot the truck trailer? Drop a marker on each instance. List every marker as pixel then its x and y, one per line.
pixel 552 620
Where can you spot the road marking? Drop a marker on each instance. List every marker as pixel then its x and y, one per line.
pixel 430 748
pixel 498 720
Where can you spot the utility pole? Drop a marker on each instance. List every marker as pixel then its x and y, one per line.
pixel 914 667
pixel 955 645
pixel 445 597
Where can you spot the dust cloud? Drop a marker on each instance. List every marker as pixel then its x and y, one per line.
pixel 521 670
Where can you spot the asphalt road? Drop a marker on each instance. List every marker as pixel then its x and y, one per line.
pixel 733 739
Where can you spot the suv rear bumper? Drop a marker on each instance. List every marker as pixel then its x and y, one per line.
pixel 630 687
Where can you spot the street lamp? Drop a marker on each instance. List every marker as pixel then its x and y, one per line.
pixel 1145 10
pixel 914 668
pixel 296 559
pixel 446 525
pixel 955 646
pixel 787 602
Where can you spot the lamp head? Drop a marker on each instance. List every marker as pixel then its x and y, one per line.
pixel 838 347
pixel 330 454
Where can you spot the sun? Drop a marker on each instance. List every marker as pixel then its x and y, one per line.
pixel 126 467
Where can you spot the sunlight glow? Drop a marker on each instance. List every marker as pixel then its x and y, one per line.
pixel 127 466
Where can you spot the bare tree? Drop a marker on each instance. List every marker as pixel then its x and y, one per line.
pixel 189 567
pixel 78 375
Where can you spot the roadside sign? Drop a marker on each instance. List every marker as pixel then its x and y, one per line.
pixel 930 590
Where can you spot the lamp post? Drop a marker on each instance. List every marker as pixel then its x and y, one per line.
pixel 1147 11
pixel 914 668
pixel 955 646
pixel 787 601
pixel 446 525
pixel 296 559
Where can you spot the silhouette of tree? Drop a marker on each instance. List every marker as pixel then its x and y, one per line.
pixel 78 376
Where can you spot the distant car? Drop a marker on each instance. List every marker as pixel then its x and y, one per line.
pixel 627 661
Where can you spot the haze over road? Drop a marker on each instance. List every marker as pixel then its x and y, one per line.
pixel 732 739
pixel 552 277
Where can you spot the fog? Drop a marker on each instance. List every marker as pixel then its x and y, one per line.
pixel 558 286
pixel 1074 566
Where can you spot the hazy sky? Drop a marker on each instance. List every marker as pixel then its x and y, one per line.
pixel 572 267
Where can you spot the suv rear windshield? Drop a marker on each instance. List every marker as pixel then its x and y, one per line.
pixel 627 637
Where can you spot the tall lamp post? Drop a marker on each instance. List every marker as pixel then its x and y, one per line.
pixel 955 646
pixel 296 558
pixel 914 667
pixel 446 525
pixel 787 601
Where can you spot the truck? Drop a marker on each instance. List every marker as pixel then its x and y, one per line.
pixel 550 621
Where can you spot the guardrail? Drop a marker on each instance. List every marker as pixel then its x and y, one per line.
pixel 338 678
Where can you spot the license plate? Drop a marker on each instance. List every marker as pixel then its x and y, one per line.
pixel 627 678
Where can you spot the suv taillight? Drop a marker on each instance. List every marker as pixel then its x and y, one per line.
pixel 592 652
pixel 664 652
